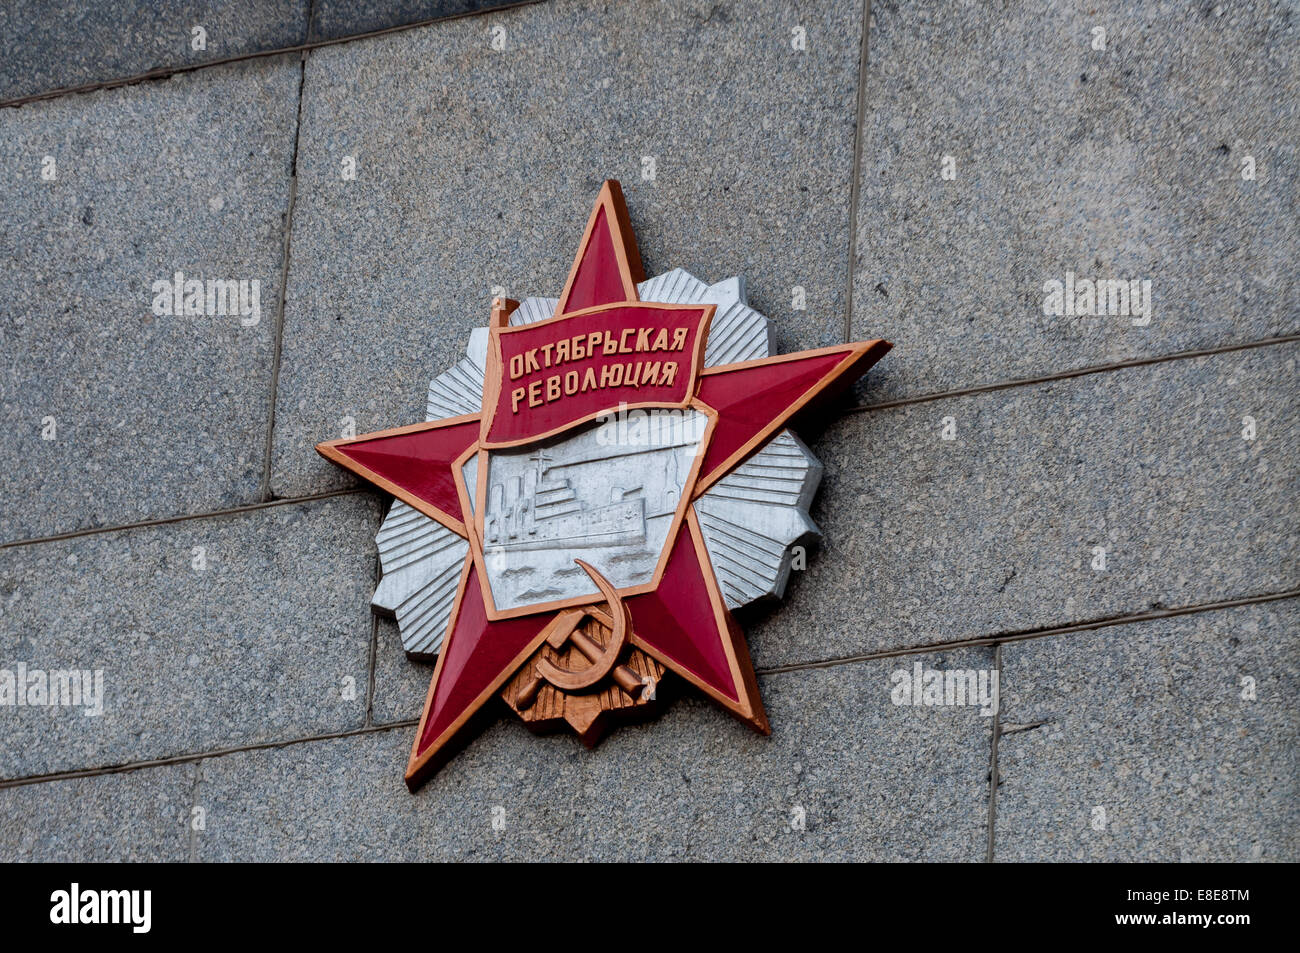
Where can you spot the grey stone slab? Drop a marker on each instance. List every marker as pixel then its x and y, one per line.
pixel 400 684
pixel 137 816
pixel 929 540
pixel 336 18
pixel 478 168
pixel 54 44
pixel 1146 748
pixel 255 647
pixel 1122 163
pixel 874 781
pixel 153 416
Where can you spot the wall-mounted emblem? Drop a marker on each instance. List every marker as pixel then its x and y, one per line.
pixel 599 483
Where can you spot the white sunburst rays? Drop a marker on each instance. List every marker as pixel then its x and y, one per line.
pixel 754 517
pixel 751 519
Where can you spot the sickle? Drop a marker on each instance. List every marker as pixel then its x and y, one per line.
pixel 600 667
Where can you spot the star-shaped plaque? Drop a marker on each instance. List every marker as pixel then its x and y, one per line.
pixel 577 489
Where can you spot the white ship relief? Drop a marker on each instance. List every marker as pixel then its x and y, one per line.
pixel 536 513
pixel 610 502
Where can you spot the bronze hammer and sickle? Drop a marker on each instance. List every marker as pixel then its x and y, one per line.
pixel 604 660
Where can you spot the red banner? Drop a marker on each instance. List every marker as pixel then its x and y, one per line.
pixel 553 374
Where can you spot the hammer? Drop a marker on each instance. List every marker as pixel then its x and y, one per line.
pixel 564 628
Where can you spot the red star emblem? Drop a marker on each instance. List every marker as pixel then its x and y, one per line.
pixel 679 619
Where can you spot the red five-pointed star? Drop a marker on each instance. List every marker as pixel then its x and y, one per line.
pixel 679 618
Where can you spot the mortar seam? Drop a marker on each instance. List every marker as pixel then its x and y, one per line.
pixel 286 253
pixel 194 803
pixel 993 759
pixel 183 517
pixel 1022 635
pixel 1069 374
pixel 779 670
pixel 166 72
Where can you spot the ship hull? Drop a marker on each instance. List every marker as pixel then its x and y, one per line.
pixel 617 524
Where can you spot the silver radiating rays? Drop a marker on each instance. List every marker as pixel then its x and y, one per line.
pixel 421 561
pixel 751 518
